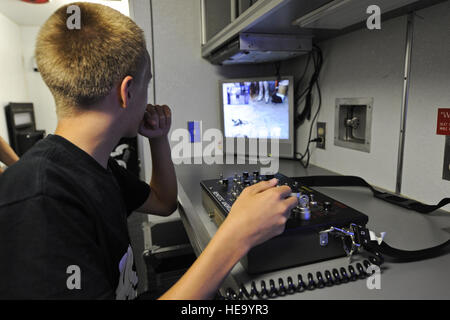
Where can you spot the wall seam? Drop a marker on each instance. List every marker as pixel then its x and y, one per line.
pixel 153 52
pixel 405 97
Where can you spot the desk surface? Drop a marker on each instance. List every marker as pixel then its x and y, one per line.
pixel 427 279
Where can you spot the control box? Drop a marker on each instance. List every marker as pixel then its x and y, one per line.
pixel 301 243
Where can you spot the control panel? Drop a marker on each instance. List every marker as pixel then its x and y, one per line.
pixel 301 242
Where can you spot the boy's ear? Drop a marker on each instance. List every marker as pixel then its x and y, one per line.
pixel 125 91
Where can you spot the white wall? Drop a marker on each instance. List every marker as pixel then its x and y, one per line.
pixel 12 81
pixel 363 64
pixel 19 82
pixel 39 94
pixel 430 84
pixel 370 64
pixel 184 80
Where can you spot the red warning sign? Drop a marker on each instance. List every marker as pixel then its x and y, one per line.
pixel 443 122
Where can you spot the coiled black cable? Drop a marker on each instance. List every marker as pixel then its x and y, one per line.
pixel 333 277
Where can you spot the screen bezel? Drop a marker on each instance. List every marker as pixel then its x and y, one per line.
pixel 287 143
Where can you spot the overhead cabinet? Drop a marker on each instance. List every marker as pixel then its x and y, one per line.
pixel 246 31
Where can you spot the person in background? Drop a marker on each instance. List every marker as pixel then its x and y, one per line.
pixel 7 154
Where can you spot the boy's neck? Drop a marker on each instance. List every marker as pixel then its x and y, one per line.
pixel 93 133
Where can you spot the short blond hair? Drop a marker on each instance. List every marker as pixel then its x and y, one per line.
pixel 81 66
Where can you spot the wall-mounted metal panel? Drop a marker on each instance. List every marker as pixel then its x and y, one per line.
pixel 353 123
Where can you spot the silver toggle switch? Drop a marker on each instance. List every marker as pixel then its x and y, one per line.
pixel 304 201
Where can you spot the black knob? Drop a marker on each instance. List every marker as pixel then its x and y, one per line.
pixel 224 182
pixel 327 206
pixel 269 176
pixel 245 175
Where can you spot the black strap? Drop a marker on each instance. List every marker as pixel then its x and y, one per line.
pixel 353 181
pixel 414 255
pixel 384 248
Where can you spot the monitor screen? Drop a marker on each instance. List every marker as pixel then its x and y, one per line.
pixel 256 109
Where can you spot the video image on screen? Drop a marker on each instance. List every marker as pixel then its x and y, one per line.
pixel 258 109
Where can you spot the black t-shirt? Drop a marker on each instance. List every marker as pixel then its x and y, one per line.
pixel 63 224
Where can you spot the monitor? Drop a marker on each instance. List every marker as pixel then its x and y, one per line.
pixel 253 109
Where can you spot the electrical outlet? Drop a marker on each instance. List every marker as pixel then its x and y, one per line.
pixel 446 170
pixel 321 134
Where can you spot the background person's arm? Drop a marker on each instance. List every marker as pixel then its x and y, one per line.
pixel 7 154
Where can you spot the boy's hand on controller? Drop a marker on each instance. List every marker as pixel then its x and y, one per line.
pixel 156 122
pixel 260 212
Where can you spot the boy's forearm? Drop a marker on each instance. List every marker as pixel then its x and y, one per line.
pixel 204 277
pixel 259 214
pixel 163 181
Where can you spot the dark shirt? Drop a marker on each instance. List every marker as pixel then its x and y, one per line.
pixel 63 223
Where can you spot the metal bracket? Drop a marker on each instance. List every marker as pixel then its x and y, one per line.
pixel 346 234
